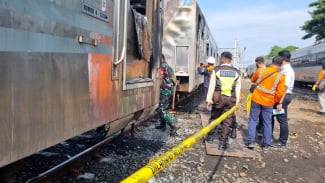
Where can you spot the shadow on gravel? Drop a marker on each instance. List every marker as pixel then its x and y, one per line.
pixel 215 169
pixel 308 110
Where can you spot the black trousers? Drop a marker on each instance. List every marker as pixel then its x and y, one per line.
pixel 283 120
pixel 226 104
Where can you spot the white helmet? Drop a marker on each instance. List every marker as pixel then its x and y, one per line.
pixel 211 60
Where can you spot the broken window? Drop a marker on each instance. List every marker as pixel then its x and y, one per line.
pixel 142 35
pixel 139 50
pixel 139 6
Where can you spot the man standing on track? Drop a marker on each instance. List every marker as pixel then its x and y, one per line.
pixel 270 90
pixel 224 88
pixel 289 73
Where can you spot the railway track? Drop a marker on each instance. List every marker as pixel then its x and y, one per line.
pixel 305 92
pixel 64 163
pixel 64 158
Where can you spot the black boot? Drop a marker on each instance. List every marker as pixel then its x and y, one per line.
pixel 222 145
pixel 233 133
pixel 161 125
pixel 173 129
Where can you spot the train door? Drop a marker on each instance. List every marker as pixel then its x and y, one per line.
pixel 182 67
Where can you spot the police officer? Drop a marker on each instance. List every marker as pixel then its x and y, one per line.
pixel 166 94
pixel 224 89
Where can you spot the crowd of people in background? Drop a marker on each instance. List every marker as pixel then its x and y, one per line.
pixel 271 94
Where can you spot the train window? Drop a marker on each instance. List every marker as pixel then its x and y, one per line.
pixel 199 19
pixel 322 55
pixel 138 66
pixel 182 59
pixel 139 6
pixel 208 49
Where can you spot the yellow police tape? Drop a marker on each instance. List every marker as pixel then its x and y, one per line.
pixel 248 102
pixel 152 168
pixel 248 98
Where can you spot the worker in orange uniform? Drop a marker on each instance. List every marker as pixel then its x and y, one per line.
pixel 268 93
pixel 320 86
pixel 259 61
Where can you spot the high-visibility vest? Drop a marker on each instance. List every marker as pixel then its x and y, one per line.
pixel 266 90
pixel 227 77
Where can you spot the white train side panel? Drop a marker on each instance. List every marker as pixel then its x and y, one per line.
pixel 187 41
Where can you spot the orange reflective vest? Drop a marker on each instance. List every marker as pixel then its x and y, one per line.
pixel 320 75
pixel 271 90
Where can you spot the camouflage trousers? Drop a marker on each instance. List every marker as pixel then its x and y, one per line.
pixel 165 100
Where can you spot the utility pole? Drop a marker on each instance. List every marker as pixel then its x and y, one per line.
pixel 236 54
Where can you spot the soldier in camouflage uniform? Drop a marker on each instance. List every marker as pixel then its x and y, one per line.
pixel 166 94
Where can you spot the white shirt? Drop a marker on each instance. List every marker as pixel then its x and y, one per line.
pixel 289 73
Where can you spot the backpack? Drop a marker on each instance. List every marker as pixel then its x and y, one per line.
pixel 321 86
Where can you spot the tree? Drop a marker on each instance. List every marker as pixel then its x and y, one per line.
pixel 315 26
pixel 291 48
pixel 276 49
pixel 273 52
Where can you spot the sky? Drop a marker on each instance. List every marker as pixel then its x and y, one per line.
pixel 257 24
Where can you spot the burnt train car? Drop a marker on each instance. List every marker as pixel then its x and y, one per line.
pixel 70 66
pixel 307 61
pixel 187 41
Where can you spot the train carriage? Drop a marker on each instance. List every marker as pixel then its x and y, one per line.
pixel 69 66
pixel 187 41
pixel 307 62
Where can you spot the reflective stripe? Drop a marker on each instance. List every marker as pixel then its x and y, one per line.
pixel 272 90
pixel 227 83
pixel 265 90
pixel 260 76
pixel 276 82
